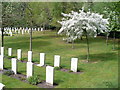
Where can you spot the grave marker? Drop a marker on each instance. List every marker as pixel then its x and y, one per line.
pixel 41 29
pixel 10 33
pixel 9 51
pixel 29 56
pixel 2 51
pixel 14 65
pixel 23 31
pixel 74 62
pixel 42 59
pixel 29 69
pixel 1 62
pixel 56 61
pixel 49 75
pixel 19 54
pixel 2 86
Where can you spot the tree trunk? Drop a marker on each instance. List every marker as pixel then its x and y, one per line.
pixel 2 37
pixel 81 38
pixel 88 52
pixel 106 39
pixel 31 40
pixel 44 29
pixel 72 44
pixel 114 40
pixel 31 15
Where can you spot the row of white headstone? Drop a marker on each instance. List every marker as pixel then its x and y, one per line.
pixel 49 69
pixel 29 65
pixel 13 29
pixel 74 61
pixel 21 30
pixel 1 68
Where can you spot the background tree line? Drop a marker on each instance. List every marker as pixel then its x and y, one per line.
pixel 46 14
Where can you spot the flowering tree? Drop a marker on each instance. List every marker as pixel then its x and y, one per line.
pixel 77 24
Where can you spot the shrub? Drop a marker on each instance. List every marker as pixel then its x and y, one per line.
pixel 70 71
pixel 9 57
pixel 21 59
pixel 57 68
pixel 6 34
pixel 22 78
pixel 34 80
pixel 8 72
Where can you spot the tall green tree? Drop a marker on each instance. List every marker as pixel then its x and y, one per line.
pixel 113 13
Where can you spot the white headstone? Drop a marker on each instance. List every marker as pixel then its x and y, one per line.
pixel 1 86
pixel 15 30
pixel 12 29
pixel 29 69
pixel 41 29
pixel 14 65
pixel 9 51
pixel 56 60
pixel 2 51
pixel 28 31
pixel 20 28
pixel 22 31
pixel 29 56
pixel 0 32
pixel 1 62
pixel 42 59
pixel 74 62
pixel 49 75
pixel 19 31
pixel 35 29
pixel 25 30
pixel 10 33
pixel 19 54
pixel 38 29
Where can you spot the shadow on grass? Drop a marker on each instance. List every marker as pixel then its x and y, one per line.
pixel 91 40
pixel 9 57
pixel 100 57
pixel 35 60
pixel 37 44
pixel 56 82
pixel 46 37
pixel 24 44
pixel 62 66
pixel 48 63
pixel 99 39
pixel 20 72
pixel 117 48
pixel 6 68
pixel 23 59
pixel 80 69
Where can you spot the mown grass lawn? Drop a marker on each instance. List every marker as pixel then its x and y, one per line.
pixel 103 74
pixel 14 83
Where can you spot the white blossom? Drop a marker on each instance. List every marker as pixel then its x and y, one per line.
pixel 75 24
